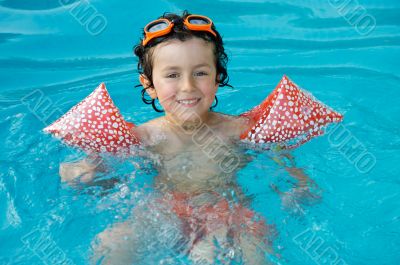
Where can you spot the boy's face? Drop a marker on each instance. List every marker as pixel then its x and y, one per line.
pixel 184 75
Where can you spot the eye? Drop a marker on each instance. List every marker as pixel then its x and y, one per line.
pixel 174 75
pixel 201 73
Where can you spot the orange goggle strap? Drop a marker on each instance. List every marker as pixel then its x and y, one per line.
pixel 196 27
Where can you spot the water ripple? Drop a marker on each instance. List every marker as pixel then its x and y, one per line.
pixel 384 17
pixel 36 5
pixel 62 64
pixel 333 70
pixel 5 37
pixel 298 44
pixel 233 10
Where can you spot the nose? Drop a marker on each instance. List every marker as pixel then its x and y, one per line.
pixel 188 84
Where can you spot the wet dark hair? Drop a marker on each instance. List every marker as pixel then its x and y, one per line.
pixel 180 32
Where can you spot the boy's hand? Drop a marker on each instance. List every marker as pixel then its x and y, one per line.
pixel 83 170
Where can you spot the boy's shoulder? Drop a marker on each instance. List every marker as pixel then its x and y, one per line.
pixel 148 130
pixel 231 124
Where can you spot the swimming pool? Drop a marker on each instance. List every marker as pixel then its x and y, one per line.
pixel 48 49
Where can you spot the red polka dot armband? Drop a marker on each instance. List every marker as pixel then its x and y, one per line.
pixel 289 116
pixel 95 124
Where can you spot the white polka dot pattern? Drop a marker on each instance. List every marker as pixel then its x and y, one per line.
pixel 94 124
pixel 289 115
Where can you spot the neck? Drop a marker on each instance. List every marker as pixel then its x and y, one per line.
pixel 188 124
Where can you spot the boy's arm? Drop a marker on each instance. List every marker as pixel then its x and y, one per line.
pixel 295 172
pixel 304 189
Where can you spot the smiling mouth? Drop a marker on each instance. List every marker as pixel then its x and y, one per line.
pixel 191 102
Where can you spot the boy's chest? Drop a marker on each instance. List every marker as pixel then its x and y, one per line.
pixel 191 161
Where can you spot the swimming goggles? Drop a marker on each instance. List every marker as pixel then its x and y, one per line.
pixel 163 26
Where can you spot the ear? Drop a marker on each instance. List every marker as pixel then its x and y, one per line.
pixel 146 83
pixel 218 79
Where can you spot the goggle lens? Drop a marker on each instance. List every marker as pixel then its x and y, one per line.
pixel 199 21
pixel 157 26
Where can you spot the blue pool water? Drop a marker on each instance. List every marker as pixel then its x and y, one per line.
pixel 355 69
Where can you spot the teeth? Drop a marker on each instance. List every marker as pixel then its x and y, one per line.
pixel 191 101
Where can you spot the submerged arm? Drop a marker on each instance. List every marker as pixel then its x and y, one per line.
pixel 305 190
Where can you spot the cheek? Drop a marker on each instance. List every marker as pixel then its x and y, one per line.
pixel 166 95
pixel 209 92
pixel 163 89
